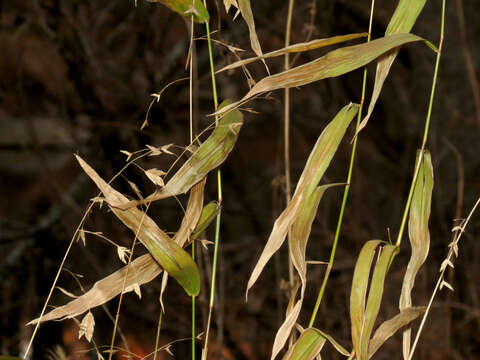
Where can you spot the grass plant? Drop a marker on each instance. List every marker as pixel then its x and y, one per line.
pixel 206 153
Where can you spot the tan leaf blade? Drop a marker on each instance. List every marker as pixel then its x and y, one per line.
pixel 299 236
pixel 185 8
pixel 211 154
pixel 300 47
pixel 193 214
pixel 247 14
pixel 317 164
pixel 307 347
pixel 335 63
pixel 142 270
pixel 229 3
pixel 173 259
pixel 419 235
pixel 402 21
pixel 301 230
pixel 391 326
pixel 285 329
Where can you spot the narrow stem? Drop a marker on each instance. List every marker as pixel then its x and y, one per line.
pixel 286 111
pixel 191 141
pixel 219 191
pixel 157 337
pixel 425 133
pixel 346 191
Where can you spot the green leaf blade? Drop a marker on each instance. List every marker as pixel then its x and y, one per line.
pixel 185 8
pixel 173 259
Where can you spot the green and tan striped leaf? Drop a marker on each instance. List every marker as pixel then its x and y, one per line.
pixel 317 164
pixel 419 235
pixel 402 21
pixel 310 343
pixel 363 316
pixel 296 48
pixel 307 347
pixel 335 63
pixel 211 154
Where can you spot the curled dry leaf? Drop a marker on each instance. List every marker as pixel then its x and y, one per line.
pixel 363 317
pixel 335 63
pixel 185 8
pixel 418 233
pixel 285 329
pixel 247 14
pixel 300 47
pixel 140 271
pixel 317 164
pixel 173 259
pixel 229 3
pixel 211 154
pixel 402 21
pixel 391 326
pixel 86 327
pixel 297 246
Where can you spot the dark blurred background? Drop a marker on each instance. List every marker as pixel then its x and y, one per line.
pixel 76 77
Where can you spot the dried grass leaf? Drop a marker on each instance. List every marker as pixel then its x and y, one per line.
pixel 299 236
pixel 402 21
pixel 300 47
pixel 335 63
pixel 185 8
pixel 211 154
pixel 285 329
pixel 419 235
pixel 86 327
pixel 301 230
pixel 176 261
pixel 391 326
pixel 229 3
pixel 142 270
pixel 316 166
pixel 247 14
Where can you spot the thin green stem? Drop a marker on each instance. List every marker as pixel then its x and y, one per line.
pixel 219 192
pixel 346 191
pixel 426 130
